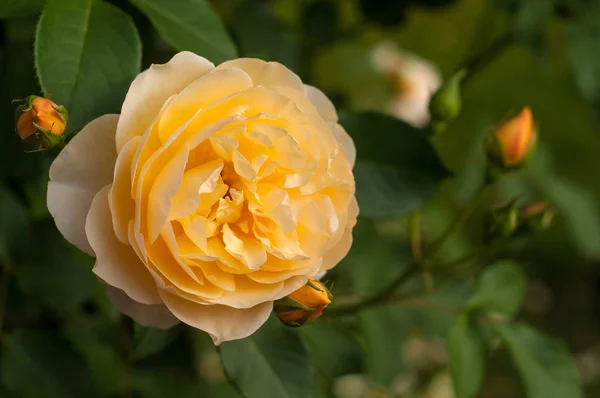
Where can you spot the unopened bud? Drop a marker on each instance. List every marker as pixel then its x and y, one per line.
pixel 304 305
pixel 510 220
pixel 41 122
pixel 536 217
pixel 512 143
pixel 502 220
pixel 446 103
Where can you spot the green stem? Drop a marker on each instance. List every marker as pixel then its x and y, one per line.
pixel 416 246
pixel 481 60
pixel 378 298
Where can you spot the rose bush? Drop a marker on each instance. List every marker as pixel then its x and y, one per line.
pixel 216 191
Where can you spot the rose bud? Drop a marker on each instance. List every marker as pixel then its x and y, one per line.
pixel 41 122
pixel 511 144
pixel 502 220
pixel 446 103
pixel 535 217
pixel 304 305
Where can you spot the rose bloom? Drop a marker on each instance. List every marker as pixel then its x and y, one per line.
pixel 216 191
pixel 413 79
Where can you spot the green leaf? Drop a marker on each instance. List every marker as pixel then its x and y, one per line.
pixel 466 352
pixel 544 364
pixel 54 271
pixel 500 289
pixel 14 227
pixel 273 362
pixel 109 370
pixel 531 19
pixel 87 52
pixel 333 350
pixel 148 341
pixel 386 258
pixel 20 8
pixel 36 363
pixel 253 26
pixel 397 167
pixel 190 25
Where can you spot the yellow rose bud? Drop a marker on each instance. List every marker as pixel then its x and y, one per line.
pixel 510 144
pixel 43 119
pixel 304 305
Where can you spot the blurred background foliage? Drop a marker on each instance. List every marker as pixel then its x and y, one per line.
pixel 60 337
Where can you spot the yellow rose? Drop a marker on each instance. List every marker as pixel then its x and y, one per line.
pixel 216 191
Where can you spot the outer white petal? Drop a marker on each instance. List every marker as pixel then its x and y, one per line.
pixel 322 103
pixel 156 315
pixel 84 166
pixel 117 264
pixel 222 323
pixel 151 88
pixel 267 74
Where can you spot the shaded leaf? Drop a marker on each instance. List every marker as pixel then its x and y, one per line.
pixel 531 19
pixel 20 8
pixel 190 25
pixel 466 353
pixel 55 272
pixel 253 26
pixel 14 225
pixel 87 53
pixel 333 351
pixel 109 370
pixel 500 288
pixel 386 258
pixel 544 364
pixel 36 362
pixel 273 362
pixel 397 167
pixel 148 341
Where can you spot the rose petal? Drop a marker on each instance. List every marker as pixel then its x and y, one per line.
pixel 150 90
pixel 155 315
pixel 117 264
pixel 267 74
pixel 322 103
pixel 205 91
pixel 166 184
pixel 341 248
pixel 84 166
pixel 222 323
pixel 346 143
pixel 197 181
pixel 122 206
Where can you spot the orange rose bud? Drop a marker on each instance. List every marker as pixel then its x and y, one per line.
pixel 304 305
pixel 41 120
pixel 510 145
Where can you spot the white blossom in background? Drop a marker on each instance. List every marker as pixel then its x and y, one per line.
pixel 414 81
